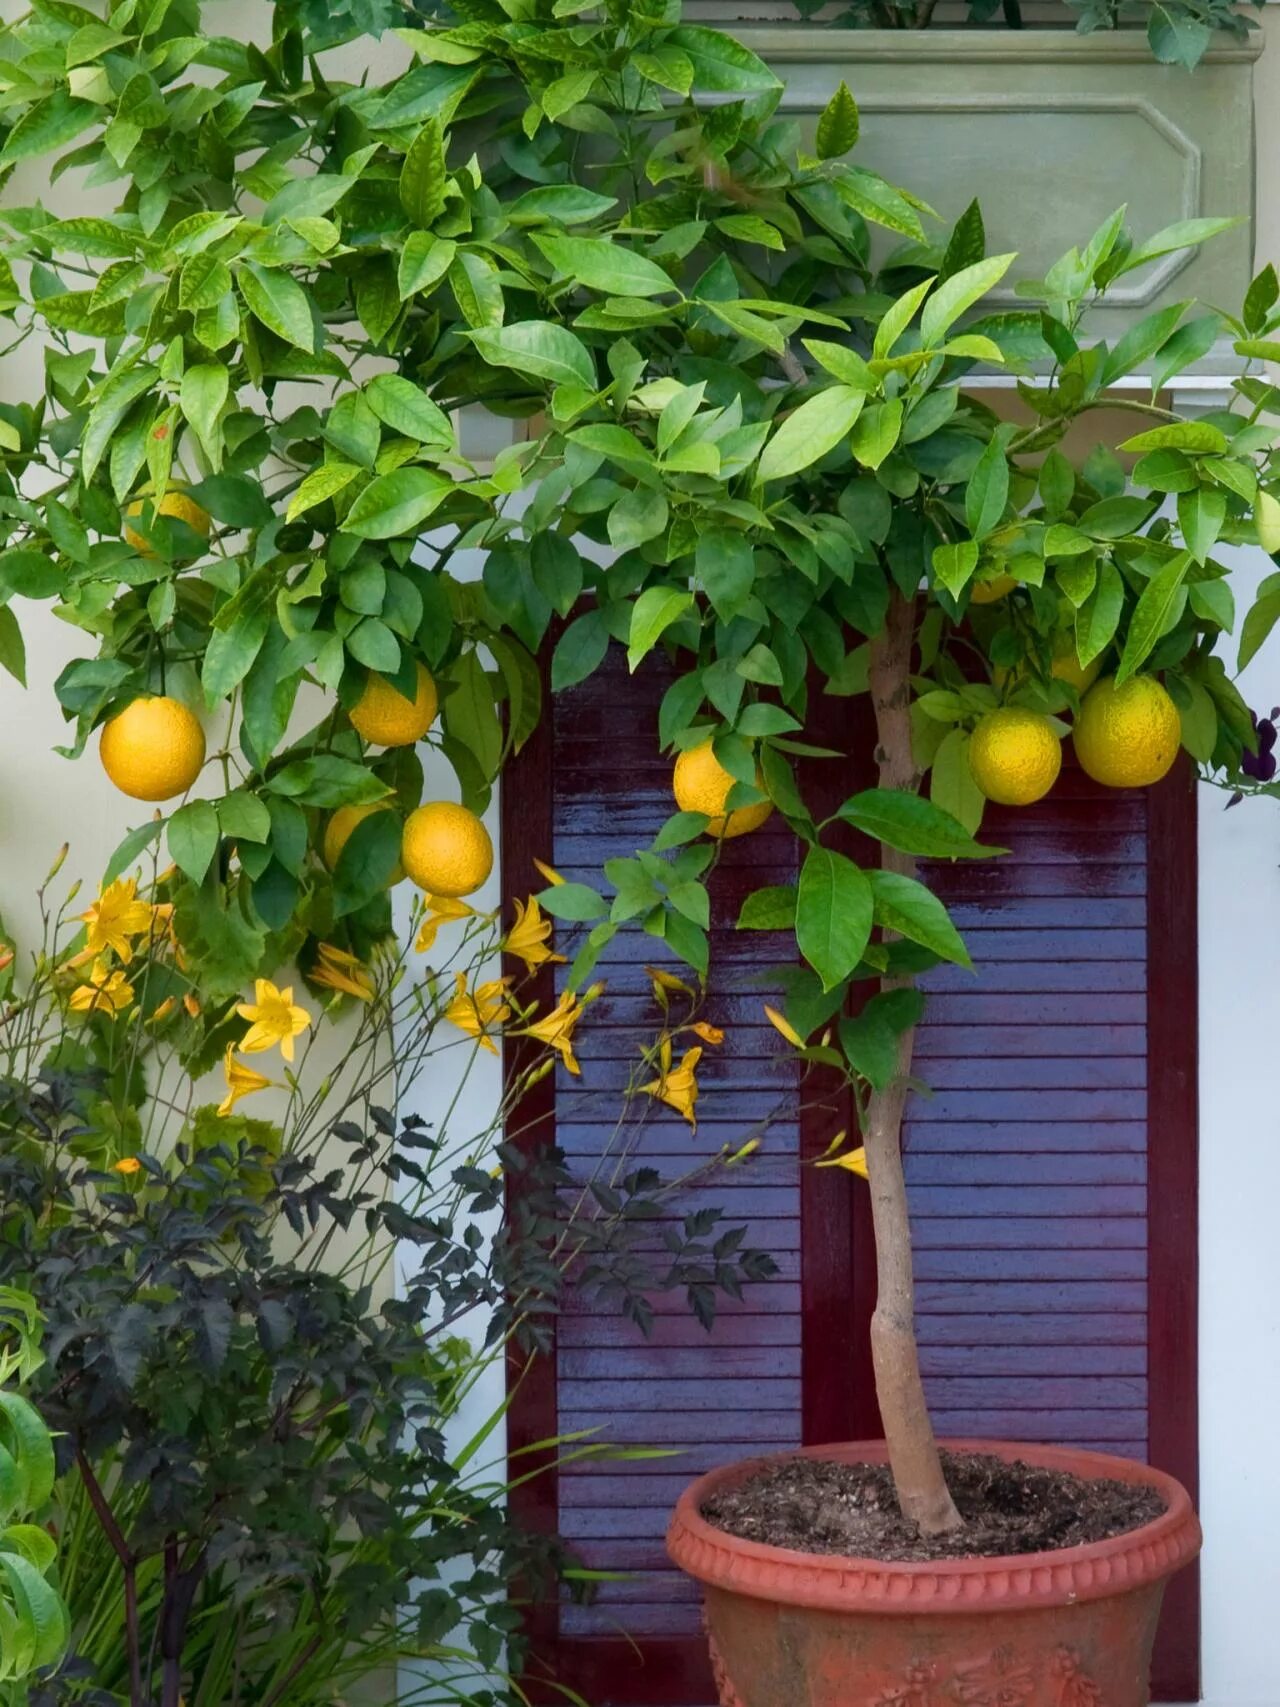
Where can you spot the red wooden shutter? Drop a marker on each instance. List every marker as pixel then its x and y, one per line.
pixel 1055 1247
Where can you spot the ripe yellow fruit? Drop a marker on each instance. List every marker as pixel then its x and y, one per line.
pixel 172 504
pixel 1128 736
pixel 153 749
pixel 700 783
pixel 987 592
pixel 1015 756
pixel 385 718
pixel 339 829
pixel 445 849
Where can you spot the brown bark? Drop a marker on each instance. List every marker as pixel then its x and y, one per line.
pixel 913 1451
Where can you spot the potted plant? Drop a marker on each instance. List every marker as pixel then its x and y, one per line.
pixel 771 425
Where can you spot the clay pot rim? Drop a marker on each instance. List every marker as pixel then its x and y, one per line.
pixel 846 1583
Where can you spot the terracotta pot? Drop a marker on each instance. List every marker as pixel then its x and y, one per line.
pixel 1066 1629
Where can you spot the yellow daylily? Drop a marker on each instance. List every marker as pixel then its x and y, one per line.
pixel 677 1086
pixel 556 1030
pixel 855 1161
pixel 479 1011
pixel 335 969
pixel 440 908
pixel 162 1013
pixel 274 1018
pixel 242 1081
pixel 549 872
pixel 127 1165
pixel 780 1024
pixel 107 992
pixel 528 937
pixel 115 918
pixel 191 1003
pixel 708 1033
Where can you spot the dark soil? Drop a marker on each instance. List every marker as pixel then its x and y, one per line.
pixel 813 1506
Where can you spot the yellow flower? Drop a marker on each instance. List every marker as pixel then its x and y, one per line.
pixel 127 1165
pixel 677 1086
pixel 854 1160
pixel 667 981
pixel 549 872
pixel 115 918
pixel 274 1017
pixel 439 909
pixel 708 1033
pixel 242 1081
pixel 164 1010
pixel 192 1004
pixel 527 938
pixel 556 1030
pixel 338 970
pixel 106 992
pixel 480 1011
pixel 6 959
pixel 785 1026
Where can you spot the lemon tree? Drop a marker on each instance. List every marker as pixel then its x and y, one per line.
pixel 749 372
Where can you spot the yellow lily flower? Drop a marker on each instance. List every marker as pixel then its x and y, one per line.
pixel 274 1018
pixel 479 1011
pixel 337 970
pixel 162 1013
pixel 708 1033
pixel 127 1165
pixel 556 1030
pixel 855 1161
pixel 242 1081
pixel 549 872
pixel 440 908
pixel 115 918
pixel 784 1026
pixel 677 1086
pixel 106 992
pixel 527 939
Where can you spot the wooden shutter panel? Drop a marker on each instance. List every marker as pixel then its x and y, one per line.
pixel 1055 1271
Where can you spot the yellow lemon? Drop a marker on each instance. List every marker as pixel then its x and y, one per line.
pixel 339 829
pixel 172 504
pixel 1127 737
pixel 700 783
pixel 445 849
pixel 383 716
pixel 1015 756
pixel 987 592
pixel 153 749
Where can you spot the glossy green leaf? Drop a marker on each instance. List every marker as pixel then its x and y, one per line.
pixel 904 905
pixel 540 348
pixel 912 825
pixel 833 914
pixel 396 503
pixel 810 432
pixel 1152 616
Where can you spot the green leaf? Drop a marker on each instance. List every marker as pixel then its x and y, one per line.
pixel 193 838
pixel 904 905
pixel 987 493
pixel 1261 298
pixel 1099 616
pixel 810 432
pixel 769 909
pixel 243 815
pixel 406 409
pixel 954 565
pixel 558 204
pixel 1182 234
pixel 424 261
pixel 13 652
pixel 1141 341
pixel 651 615
pixel 1261 618
pixel 957 294
pixel 204 391
pixel 667 66
pixel 230 652
pixel 833 914
pixel 904 821
pixel 580 650
pixel 396 503
pixel 1201 513
pixel 323 482
pixel 897 317
pixel 1199 720
pixel 279 302
pixel 47 125
pixel 1197 438
pixel 367 863
pixel 876 432
pixel 572 901
pixel 638 516
pixel 1177 37
pixel 869 195
pixel 424 176
pixel 540 348
pixel 870 1047
pixel 726 567
pixel 838 125
pixel 327 780
pixel 604 266
pixel 1151 618
pixel 30 574
pixel 951 784
pixel 721 64
pixel 477 289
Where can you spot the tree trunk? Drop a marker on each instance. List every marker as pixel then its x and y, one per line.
pixel 913 1452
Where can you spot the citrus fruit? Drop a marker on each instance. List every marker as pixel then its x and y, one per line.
pixel 1127 736
pixel 446 849
pixel 987 592
pixel 339 829
pixel 153 749
pixel 383 716
pixel 700 783
pixel 1015 756
pixel 177 504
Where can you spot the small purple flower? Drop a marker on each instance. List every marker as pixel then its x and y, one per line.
pixel 1261 766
